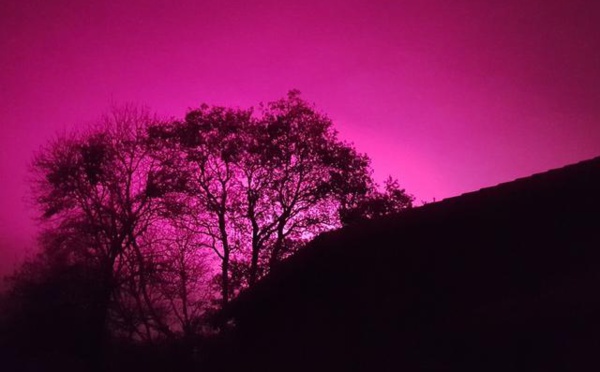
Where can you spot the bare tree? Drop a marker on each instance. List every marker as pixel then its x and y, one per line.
pixel 257 186
pixel 96 183
pixel 201 155
pixel 303 165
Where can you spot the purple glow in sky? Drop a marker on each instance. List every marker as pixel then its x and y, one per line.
pixel 448 96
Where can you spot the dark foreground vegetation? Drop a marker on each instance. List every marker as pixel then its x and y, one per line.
pixel 150 227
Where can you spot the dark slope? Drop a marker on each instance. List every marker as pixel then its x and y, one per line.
pixel 505 278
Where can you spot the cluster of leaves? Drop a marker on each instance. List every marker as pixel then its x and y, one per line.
pixel 173 217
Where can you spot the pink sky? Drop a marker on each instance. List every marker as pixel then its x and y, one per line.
pixel 448 96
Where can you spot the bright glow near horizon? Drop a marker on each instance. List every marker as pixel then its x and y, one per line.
pixel 446 96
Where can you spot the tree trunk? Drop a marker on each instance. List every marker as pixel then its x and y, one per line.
pixel 274 259
pixel 225 279
pixel 225 262
pixel 254 261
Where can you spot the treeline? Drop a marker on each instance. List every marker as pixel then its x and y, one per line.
pixel 151 225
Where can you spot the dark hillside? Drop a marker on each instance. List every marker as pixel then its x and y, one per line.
pixel 505 278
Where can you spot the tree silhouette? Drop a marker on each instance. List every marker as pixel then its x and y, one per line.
pixel 376 203
pixel 256 186
pixel 168 220
pixel 306 164
pixel 95 193
pixel 200 158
